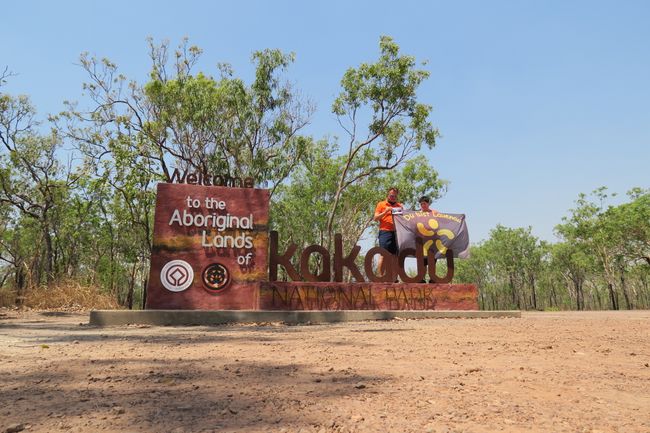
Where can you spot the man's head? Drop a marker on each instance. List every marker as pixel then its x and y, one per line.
pixel 424 203
pixel 392 195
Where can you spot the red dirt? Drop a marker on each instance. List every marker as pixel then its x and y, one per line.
pixel 545 372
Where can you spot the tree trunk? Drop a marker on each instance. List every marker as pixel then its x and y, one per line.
pixel 644 293
pixel 20 279
pixel 48 255
pixel 600 302
pixel 20 285
pixel 144 292
pixel 576 287
pixel 515 298
pixel 626 296
pixel 612 296
pixel 532 286
pixel 129 295
pixel 581 294
pixel 553 300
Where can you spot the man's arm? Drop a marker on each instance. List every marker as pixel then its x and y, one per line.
pixel 379 213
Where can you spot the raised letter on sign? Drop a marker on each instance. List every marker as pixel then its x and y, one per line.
pixel 304 263
pixel 177 177
pixel 419 256
pixel 389 265
pixel 450 269
pixel 285 260
pixel 340 262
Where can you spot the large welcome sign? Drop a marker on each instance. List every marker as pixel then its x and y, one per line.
pixel 211 251
pixel 210 247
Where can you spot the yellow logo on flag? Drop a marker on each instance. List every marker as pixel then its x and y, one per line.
pixel 429 233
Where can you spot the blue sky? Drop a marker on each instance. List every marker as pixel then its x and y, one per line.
pixel 536 101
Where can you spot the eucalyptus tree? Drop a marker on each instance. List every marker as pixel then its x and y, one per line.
pixel 227 126
pixel 179 119
pixel 617 237
pixel 626 230
pixel 34 184
pixel 630 224
pixel 516 256
pixel 574 264
pixel 12 258
pixel 301 205
pixel 384 122
pixel 479 270
pixel 134 134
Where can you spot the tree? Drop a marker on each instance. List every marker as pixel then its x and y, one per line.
pixel 33 183
pixel 300 206
pixel 574 264
pixel 135 135
pixel 626 229
pixel 195 122
pixel 517 257
pixel 630 224
pixel 615 236
pixel 478 269
pixel 508 268
pixel 386 93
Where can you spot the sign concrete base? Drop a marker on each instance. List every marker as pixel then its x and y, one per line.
pixel 208 318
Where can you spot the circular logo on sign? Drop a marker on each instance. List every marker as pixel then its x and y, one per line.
pixel 177 275
pixel 216 277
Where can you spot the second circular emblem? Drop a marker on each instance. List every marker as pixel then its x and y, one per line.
pixel 216 277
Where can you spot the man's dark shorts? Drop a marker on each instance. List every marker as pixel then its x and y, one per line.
pixel 388 241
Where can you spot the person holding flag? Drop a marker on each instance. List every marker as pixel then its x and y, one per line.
pixel 384 214
pixel 424 205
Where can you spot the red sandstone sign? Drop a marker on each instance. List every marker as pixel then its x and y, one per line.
pixel 211 252
pixel 210 247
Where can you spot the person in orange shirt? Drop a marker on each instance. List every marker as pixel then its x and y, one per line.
pixel 384 214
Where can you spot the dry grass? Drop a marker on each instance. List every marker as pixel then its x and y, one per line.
pixel 7 297
pixel 68 296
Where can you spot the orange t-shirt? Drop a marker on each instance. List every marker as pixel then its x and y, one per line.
pixel 386 222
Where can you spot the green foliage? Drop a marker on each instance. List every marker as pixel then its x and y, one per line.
pixel 86 214
pixel 301 206
pixel 601 258
pixel 135 134
pixel 507 268
pixel 385 94
pixel 226 126
pixel 388 88
pixel 615 238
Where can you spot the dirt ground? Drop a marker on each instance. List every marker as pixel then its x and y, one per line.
pixel 545 372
